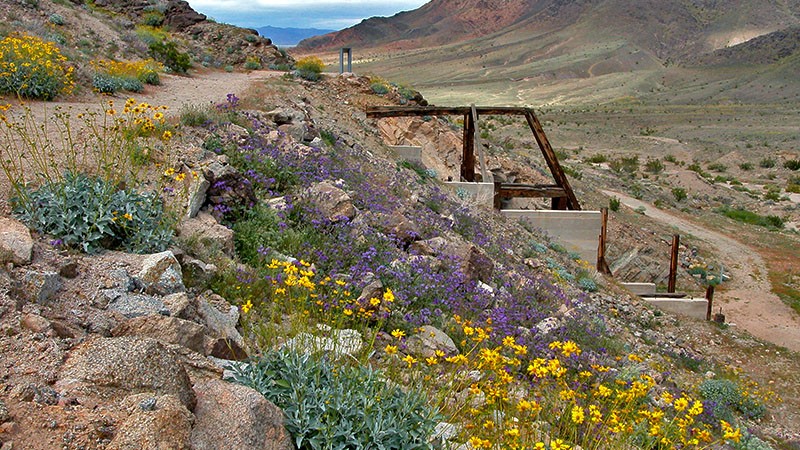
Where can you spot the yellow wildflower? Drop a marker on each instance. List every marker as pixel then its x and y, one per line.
pixel 410 360
pixel 390 349
pixel 398 333
pixel 247 307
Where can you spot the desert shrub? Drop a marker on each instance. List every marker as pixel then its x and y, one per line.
pixel 251 38
pixel 33 68
pixel 572 172
pixel 56 19
pixel 153 19
pixel 252 62
pixel 741 215
pixel 746 166
pixel 379 88
pixel 89 214
pixel 597 158
pixel 112 76
pixel 167 53
pixel 628 164
pixel 613 204
pixel 332 406
pixel 717 167
pixel 766 163
pixel 309 68
pixel 679 193
pixel 654 166
pixel 672 159
pixel 228 68
pixel 725 397
pixel 587 284
pixel 792 164
pixel 793 188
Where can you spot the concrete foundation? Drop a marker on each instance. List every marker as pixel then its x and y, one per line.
pixel 577 231
pixel 408 153
pixel 641 289
pixel 691 307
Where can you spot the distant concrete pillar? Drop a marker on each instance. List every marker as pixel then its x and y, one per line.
pixel 349 52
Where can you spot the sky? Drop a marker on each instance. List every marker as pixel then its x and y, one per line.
pixel 323 14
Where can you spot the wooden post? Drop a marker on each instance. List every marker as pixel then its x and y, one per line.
pixel 602 265
pixel 498 204
pixel 468 153
pixel 710 299
pixel 673 264
pixel 570 202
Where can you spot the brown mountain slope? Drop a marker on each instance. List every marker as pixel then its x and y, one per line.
pixel 669 29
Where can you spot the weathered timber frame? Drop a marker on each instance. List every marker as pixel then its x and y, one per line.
pixel 561 194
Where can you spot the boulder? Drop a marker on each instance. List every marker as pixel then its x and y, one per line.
pixel 399 227
pixel 428 340
pixel 180 16
pixel 283 116
pixel 220 317
pixel 234 416
pixel 16 243
pixel 196 272
pixel 133 305
pixel 161 274
pixel 224 349
pixel 181 306
pixel 40 287
pixel 159 422
pixel 205 228
pixel 197 186
pixel 471 260
pixel 35 323
pixel 333 203
pixel 108 368
pixel 170 330
pixel 229 190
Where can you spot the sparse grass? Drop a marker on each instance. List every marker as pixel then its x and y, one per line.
pixel 740 215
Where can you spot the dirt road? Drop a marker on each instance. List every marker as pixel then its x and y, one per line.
pixel 747 299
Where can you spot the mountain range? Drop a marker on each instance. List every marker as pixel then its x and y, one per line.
pixel 289 36
pixel 649 46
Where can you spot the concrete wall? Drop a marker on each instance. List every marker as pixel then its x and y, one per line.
pixel 408 153
pixel 692 307
pixel 641 289
pixel 578 231
pixel 480 193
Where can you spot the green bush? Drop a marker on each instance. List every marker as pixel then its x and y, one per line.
pixel 379 88
pixel 109 84
pixel 741 215
pixel 717 167
pixel 167 53
pixel 329 406
pixel 33 68
pixel 679 193
pixel 628 164
pixel 727 397
pixel 194 116
pixel 90 214
pixel 597 158
pixel 252 63
pixel 654 166
pixel 613 204
pixel 766 163
pixel 153 19
pixel 792 164
pixel 746 166
pixel 56 19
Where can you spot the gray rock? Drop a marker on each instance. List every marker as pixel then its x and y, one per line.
pixel 400 228
pixel 133 305
pixel 428 340
pixel 16 243
pixel 548 325
pixel 161 274
pixel 164 424
pixel 101 369
pixel 196 194
pixel 237 416
pixel 338 343
pixel 208 232
pixel 220 317
pixel 196 272
pixel 170 330
pixel 428 247
pixel 41 287
pixel 333 203
pixel 442 433
pixel 182 307
pixel 283 116
pixel 4 414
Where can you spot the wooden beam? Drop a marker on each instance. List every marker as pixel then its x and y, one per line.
pixel 532 191
pixel 673 263
pixel 550 157
pixel 476 140
pixel 377 112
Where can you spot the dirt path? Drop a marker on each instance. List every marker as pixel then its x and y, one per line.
pixel 747 299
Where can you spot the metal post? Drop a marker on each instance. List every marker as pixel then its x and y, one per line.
pixel 673 264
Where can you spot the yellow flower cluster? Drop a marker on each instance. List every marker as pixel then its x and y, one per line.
pixel 33 68
pixel 144 70
pixel 141 119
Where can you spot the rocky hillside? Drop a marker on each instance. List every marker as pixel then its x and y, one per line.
pixel 125 31
pixel 300 231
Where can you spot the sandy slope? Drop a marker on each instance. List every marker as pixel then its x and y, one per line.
pixel 747 300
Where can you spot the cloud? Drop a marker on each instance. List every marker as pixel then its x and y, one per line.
pixel 330 14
